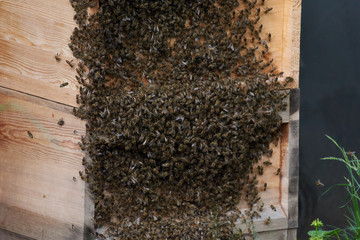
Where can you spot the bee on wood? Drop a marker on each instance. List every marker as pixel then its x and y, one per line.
pixel 267 163
pixel 30 134
pixel 70 63
pixel 81 174
pixel 277 172
pixel 258 12
pixel 267 221
pixel 265 186
pixel 269 37
pixel 260 207
pixel 57 57
pixel 61 122
pixel 273 208
pixel 74 179
pixel 64 84
pixel 268 10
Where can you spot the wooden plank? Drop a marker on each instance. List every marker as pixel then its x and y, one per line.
pixel 12 236
pixel 32 32
pixel 38 195
pixel 291 40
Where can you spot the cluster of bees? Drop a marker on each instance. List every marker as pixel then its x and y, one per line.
pixel 181 101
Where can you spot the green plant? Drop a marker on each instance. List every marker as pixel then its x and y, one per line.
pixel 319 234
pixel 352 186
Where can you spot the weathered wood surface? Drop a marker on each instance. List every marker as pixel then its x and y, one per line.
pixel 32 32
pixel 39 196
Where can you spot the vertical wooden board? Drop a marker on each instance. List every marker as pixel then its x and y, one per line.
pixel 31 33
pixel 39 196
pixel 291 40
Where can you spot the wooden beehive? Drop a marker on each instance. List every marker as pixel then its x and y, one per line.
pixel 41 194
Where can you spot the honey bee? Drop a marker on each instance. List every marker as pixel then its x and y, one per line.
pixel 61 122
pixel 269 37
pixel 70 63
pixel 319 183
pixel 57 57
pixel 350 154
pixel 74 179
pixel 265 186
pixel 267 221
pixel 267 163
pixel 64 84
pixel 268 10
pixel 277 172
pixel 30 134
pixel 273 208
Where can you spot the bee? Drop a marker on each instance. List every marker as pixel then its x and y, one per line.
pixel 277 172
pixel 243 219
pixel 267 221
pixel 30 134
pixel 258 12
pixel 82 176
pixel 57 57
pixel 70 63
pixel 61 122
pixel 260 207
pixel 75 132
pixel 256 214
pixel 273 208
pixel 319 183
pixel 260 170
pixel 269 37
pixel 268 10
pixel 260 28
pixel 74 179
pixel 262 2
pixel 265 186
pixel 290 79
pixel 350 154
pixel 267 163
pixel 64 84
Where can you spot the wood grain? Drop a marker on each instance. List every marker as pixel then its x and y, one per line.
pixel 32 32
pixel 38 195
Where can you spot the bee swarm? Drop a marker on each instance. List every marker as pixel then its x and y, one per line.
pixel 181 102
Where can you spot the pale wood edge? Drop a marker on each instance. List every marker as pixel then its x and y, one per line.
pixel 36 99
pixel 89 209
pixel 282 234
pixel 5 234
pixel 292 29
pixel 293 187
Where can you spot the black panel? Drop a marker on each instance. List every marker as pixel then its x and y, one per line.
pixel 330 104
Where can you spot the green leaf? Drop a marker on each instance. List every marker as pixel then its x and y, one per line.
pixel 317 223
